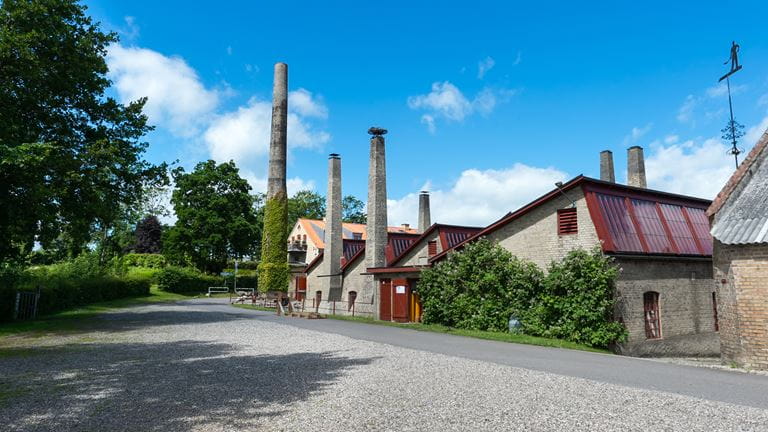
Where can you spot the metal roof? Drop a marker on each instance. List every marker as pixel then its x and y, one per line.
pixel 743 219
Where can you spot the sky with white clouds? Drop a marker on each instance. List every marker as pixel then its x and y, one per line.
pixel 485 116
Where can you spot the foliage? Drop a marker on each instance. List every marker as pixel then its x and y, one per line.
pixel 186 279
pixel 478 288
pixel 148 236
pixel 274 272
pixel 73 283
pixel 353 210
pixel 70 156
pixel 305 204
pixel 244 265
pixel 144 260
pixel 578 301
pixel 482 286
pixel 216 218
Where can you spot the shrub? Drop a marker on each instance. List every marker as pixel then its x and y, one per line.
pixel 67 285
pixel 144 260
pixel 478 288
pixel 577 303
pixel 186 279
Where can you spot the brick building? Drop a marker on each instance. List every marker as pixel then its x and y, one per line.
pixel 739 216
pixel 660 240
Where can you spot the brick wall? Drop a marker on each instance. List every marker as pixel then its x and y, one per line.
pixel 743 303
pixel 419 254
pixel 686 312
pixel 534 236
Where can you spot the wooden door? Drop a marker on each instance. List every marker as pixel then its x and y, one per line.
pixel 401 291
pixel 385 300
pixel 301 288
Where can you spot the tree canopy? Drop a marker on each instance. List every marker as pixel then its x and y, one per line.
pixel 216 216
pixel 70 156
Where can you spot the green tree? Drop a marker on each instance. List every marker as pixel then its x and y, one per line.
pixel 353 210
pixel 305 204
pixel 70 157
pixel 478 288
pixel 216 219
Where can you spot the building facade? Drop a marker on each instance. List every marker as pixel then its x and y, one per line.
pixel 739 216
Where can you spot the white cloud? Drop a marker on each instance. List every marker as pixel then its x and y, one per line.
pixel 483 66
pixel 636 133
pixel 698 168
pixel 478 197
pixel 259 184
pixel 448 102
pixel 685 112
pixel 721 90
pixel 131 29
pixel 518 59
pixel 304 104
pixel 229 50
pixel 176 98
pixel 763 100
pixel 243 135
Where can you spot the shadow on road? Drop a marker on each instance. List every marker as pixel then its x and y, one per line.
pixel 166 386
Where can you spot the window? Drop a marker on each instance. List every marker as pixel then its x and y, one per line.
pixel 651 310
pixel 714 311
pixel 566 221
pixel 352 296
pixel 432 248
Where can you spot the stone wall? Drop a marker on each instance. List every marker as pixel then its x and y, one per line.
pixel 420 254
pixel 353 280
pixel 686 310
pixel 534 236
pixel 741 277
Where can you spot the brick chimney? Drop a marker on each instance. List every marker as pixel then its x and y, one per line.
pixel 606 166
pixel 376 241
pixel 424 216
pixel 636 167
pixel 333 231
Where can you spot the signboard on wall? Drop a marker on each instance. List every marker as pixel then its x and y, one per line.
pixel 400 289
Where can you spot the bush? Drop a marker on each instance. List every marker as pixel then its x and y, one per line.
pixel 577 303
pixel 186 279
pixel 144 260
pixel 244 265
pixel 67 285
pixel 478 288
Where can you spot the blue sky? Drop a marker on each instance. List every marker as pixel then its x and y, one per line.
pixel 486 106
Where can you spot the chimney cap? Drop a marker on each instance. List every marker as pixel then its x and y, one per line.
pixel 424 192
pixel 606 151
pixel 377 131
pixel 334 156
pixel 635 147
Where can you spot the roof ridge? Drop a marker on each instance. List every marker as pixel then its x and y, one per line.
pixel 738 175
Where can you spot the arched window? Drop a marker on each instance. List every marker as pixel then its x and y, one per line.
pixel 352 296
pixel 651 312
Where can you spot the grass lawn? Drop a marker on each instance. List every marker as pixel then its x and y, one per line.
pixel 479 334
pixel 75 319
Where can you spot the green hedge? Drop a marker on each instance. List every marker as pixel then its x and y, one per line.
pixel 186 279
pixel 144 260
pixel 60 292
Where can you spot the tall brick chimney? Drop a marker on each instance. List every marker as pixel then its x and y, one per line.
pixel 376 241
pixel 636 167
pixel 606 166
pixel 331 264
pixel 424 214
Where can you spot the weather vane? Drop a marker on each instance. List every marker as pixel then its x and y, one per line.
pixel 734 130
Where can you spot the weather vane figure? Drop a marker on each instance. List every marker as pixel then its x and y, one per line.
pixel 734 58
pixel 734 130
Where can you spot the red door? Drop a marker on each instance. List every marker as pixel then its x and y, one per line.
pixel 385 300
pixel 301 288
pixel 401 292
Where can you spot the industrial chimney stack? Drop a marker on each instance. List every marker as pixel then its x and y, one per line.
pixel 376 241
pixel 333 230
pixel 424 215
pixel 636 167
pixel 606 166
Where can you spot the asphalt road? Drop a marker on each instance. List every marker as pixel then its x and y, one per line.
pixel 709 384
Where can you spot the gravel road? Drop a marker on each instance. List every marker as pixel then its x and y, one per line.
pixel 191 366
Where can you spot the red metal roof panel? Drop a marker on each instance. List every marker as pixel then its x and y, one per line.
pixel 681 232
pixel 652 227
pixel 620 227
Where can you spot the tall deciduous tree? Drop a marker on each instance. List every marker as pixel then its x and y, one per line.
pixel 149 236
pixel 353 210
pixel 305 204
pixel 216 216
pixel 70 157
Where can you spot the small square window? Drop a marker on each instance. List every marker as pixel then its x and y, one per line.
pixel 567 223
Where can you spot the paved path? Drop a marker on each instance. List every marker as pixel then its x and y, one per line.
pixel 205 366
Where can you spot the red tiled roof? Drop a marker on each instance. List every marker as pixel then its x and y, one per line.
pixel 315 229
pixel 614 214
